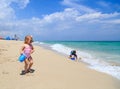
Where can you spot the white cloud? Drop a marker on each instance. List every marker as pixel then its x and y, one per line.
pixel 104 4
pixel 115 21
pixel 6 33
pixel 7 12
pixel 68 13
pixel 98 15
pixel 22 3
pixel 82 8
pixel 67 21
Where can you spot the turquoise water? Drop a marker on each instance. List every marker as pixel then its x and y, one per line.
pixel 101 56
pixel 109 51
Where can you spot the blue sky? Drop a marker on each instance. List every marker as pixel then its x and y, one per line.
pixel 84 20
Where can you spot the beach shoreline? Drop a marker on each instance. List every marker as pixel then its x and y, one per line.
pixel 52 71
pixel 103 57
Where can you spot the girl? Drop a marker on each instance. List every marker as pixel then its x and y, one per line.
pixel 27 50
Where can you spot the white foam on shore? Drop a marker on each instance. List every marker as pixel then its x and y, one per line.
pixel 97 64
pixel 94 63
pixel 38 43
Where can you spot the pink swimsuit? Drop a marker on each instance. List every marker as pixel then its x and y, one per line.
pixel 27 51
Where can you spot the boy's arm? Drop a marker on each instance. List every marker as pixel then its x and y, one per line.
pixel 76 57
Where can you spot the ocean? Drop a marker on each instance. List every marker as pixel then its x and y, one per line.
pixel 102 56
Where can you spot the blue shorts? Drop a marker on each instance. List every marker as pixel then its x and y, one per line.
pixel 72 58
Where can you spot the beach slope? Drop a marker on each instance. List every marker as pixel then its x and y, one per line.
pixel 52 71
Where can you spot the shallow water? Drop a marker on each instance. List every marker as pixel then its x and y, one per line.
pixel 101 56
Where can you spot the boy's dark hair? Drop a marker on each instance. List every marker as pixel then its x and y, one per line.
pixel 73 52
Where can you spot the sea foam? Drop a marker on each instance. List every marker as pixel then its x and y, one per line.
pixel 93 62
pixel 97 64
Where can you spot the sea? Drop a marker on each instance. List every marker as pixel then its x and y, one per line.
pixel 102 56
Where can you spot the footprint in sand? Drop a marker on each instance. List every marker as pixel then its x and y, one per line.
pixel 4 72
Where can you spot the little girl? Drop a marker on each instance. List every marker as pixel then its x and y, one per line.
pixel 27 50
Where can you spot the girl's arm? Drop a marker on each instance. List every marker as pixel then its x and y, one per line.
pixel 22 49
pixel 32 49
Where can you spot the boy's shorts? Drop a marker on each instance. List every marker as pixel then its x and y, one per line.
pixel 72 58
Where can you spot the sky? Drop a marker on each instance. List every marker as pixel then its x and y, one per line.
pixel 64 20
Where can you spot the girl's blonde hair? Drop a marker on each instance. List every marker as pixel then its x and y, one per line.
pixel 27 39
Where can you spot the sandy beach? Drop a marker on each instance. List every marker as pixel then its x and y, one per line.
pixel 52 71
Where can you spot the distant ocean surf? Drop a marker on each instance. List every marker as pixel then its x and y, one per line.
pixel 103 56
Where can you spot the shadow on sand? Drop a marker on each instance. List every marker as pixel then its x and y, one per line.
pixel 30 71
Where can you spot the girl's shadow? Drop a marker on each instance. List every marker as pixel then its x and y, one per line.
pixel 30 71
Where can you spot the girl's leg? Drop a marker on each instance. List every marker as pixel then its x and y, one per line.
pixel 26 65
pixel 30 63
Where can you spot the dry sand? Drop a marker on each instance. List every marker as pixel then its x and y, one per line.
pixel 52 71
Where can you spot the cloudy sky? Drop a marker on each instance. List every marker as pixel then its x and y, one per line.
pixel 61 19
